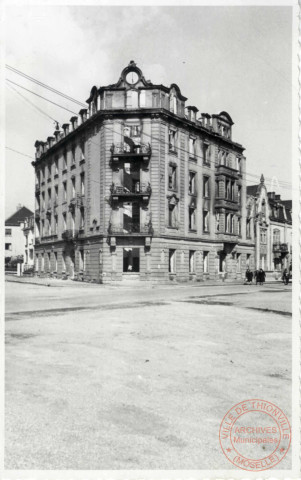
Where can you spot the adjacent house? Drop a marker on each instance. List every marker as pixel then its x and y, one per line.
pixel 14 235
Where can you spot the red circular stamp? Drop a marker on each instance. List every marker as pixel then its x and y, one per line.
pixel 255 435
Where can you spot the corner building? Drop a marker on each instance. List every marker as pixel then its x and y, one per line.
pixel 141 186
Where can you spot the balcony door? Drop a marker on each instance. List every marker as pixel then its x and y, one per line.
pixel 131 217
pixel 131 177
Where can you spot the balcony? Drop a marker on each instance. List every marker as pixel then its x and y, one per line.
pixel 140 190
pixel 280 247
pixel 69 235
pixel 226 171
pixel 130 229
pixel 123 150
pixel 227 237
pixel 49 238
pixel 226 203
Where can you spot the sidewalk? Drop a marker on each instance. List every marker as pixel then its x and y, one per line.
pixel 56 282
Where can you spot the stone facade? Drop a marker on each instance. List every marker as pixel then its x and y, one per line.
pixel 142 187
pixel 269 225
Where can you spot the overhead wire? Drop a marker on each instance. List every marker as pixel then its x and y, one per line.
pixel 145 134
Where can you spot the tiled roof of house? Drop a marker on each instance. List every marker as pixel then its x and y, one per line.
pixel 18 217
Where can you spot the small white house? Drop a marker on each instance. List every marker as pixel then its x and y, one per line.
pixel 14 236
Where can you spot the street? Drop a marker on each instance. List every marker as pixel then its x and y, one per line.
pixel 110 377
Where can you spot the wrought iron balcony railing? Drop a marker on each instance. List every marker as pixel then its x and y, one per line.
pixel 280 247
pixel 125 149
pixel 138 189
pixel 131 228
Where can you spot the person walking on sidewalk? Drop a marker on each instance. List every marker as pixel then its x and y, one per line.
pixel 256 273
pixel 249 276
pixel 261 276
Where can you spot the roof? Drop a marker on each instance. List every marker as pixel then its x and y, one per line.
pixel 252 190
pixel 18 217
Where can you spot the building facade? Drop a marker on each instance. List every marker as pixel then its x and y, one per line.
pixel 269 224
pixel 141 186
pixel 28 231
pixel 14 238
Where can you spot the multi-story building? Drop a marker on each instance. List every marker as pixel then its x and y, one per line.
pixel 14 237
pixel 269 224
pixel 28 230
pixel 142 186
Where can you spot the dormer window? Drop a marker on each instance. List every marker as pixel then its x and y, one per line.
pixel 173 104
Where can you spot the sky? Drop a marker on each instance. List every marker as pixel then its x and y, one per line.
pixel 236 59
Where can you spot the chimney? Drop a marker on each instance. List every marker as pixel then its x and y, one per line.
pixel 57 135
pixel 50 141
pixel 19 206
pixel 73 121
pixel 192 113
pixel 65 127
pixel 271 195
pixel 278 197
pixel 83 114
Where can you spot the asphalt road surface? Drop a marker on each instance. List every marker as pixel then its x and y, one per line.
pixel 105 378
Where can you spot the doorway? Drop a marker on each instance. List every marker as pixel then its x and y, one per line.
pixel 131 260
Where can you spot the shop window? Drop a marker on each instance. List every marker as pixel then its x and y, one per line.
pixel 131 260
pixel 55 261
pixel 248 260
pixel 81 260
pixel 191 261
pixel 42 262
pixel 222 262
pixel 172 261
pixel 238 262
pixel 206 262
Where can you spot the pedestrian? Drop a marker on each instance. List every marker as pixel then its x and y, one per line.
pixel 256 276
pixel 261 276
pixel 249 276
pixel 285 276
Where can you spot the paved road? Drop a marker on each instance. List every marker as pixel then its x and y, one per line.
pixel 105 377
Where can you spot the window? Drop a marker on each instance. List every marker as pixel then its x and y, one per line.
pixel 172 214
pixel 56 166
pixel 229 223
pixel 192 147
pixel 206 262
pixel 73 186
pixel 206 153
pixel 82 183
pixel 8 246
pixel 221 157
pixel 63 262
pixel 206 190
pixel 73 155
pixel 248 228
pixel 81 258
pixel 26 240
pixel 191 185
pixel 142 98
pixel 238 164
pixel 8 232
pixel 132 99
pixel 82 218
pixel 56 194
pixel 239 194
pixel 64 191
pixel 248 260
pixel 48 223
pixel 173 106
pixel 191 218
pixel 217 222
pixel 239 226
pixel 49 197
pixel 232 223
pixel 232 190
pixel 131 260
pixel 172 177
pixel 55 261
pixel 55 224
pixel 172 261
pixel 82 151
pixel 64 221
pixel 43 199
pixel 191 261
pixel 228 160
pixel 64 161
pixel 205 221
pixel 73 222
pixel 238 262
pixel 172 140
pixel 263 236
pixel 276 236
